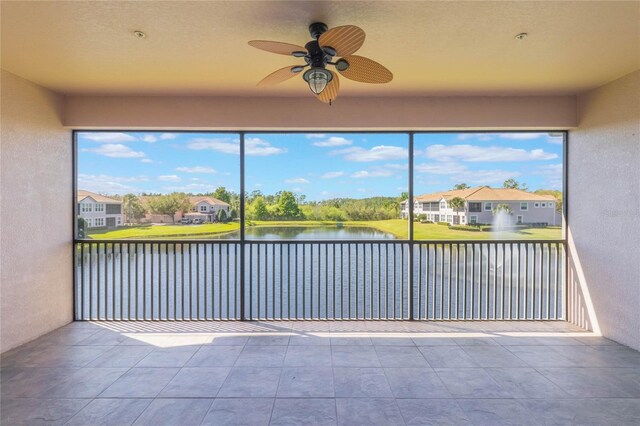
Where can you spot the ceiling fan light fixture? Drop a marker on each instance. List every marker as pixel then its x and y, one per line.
pixel 318 78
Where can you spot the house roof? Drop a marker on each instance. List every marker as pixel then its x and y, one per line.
pixel 210 200
pixel 82 194
pixel 485 193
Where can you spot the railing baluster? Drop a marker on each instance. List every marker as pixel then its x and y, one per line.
pixel 326 281
pixel 487 282
pixel 521 280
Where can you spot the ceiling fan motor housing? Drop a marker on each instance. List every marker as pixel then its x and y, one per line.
pixel 317 57
pixel 317 29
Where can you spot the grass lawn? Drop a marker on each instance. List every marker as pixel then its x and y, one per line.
pixel 164 231
pixel 430 231
pixel 398 227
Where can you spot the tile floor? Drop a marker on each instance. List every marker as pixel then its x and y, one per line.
pixel 316 373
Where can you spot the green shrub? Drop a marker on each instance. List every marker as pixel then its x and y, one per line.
pixel 443 223
pixel 464 228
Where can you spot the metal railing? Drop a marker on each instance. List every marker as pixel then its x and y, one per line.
pixel 319 280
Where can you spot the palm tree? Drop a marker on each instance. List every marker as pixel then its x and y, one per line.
pixel 456 203
pixel 502 207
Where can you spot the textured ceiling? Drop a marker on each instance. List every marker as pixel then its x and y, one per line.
pixel 433 48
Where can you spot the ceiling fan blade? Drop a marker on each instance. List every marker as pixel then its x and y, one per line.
pixel 330 93
pixel 277 47
pixel 346 39
pixel 365 70
pixel 278 76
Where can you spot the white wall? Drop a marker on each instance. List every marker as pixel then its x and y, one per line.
pixel 604 210
pixel 35 213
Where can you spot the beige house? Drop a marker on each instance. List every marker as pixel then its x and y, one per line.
pixel 205 208
pixel 525 208
pixel 99 211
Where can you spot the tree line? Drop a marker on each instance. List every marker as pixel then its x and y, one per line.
pixel 286 205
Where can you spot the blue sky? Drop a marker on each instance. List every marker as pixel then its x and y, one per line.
pixel 318 165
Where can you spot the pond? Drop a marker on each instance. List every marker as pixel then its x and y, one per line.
pixel 313 233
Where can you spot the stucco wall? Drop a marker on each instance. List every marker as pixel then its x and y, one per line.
pixel 504 112
pixel 35 266
pixel 604 210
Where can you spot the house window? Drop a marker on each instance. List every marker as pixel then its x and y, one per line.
pixel 550 205
pixel 475 207
pixel 203 208
pixel 99 207
pixel 536 205
pixel 543 205
pixel 99 221
pixel 487 206
pixel 473 219
pixel 462 219
pixel 89 222
pixel 86 207
pixel 113 208
pixel 119 221
pixel 443 204
pixel 519 221
pixel 524 206
pixel 436 218
pixel 449 218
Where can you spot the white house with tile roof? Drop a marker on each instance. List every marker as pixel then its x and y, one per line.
pixel 99 211
pixel 479 204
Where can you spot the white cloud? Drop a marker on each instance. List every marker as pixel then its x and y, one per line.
pixel 196 169
pixel 315 136
pixel 146 160
pixel 170 178
pixel 440 168
pixel 166 136
pixel 474 153
pixel 371 174
pixel 116 151
pixel 107 137
pixel 150 138
pixel 485 177
pixel 332 175
pixel 461 173
pixel 521 136
pixel 363 190
pixel 552 174
pixel 296 180
pixel 192 187
pixel 253 146
pixel 104 178
pixel 333 141
pixel 109 184
pixel 555 138
pixel 297 190
pixel 397 166
pixel 476 136
pixel 377 153
pixel 549 170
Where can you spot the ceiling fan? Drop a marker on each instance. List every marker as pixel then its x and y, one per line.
pixel 327 43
